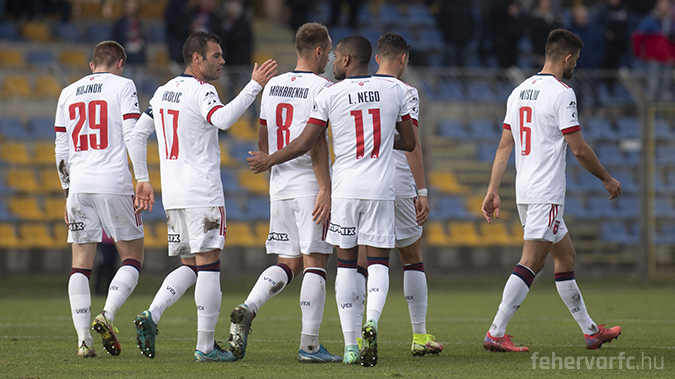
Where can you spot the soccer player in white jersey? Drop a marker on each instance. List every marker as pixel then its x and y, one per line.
pixel 94 119
pixel 298 197
pixel 187 116
pixel 364 113
pixel 541 121
pixel 412 207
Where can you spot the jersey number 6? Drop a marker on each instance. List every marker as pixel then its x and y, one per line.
pixel 525 132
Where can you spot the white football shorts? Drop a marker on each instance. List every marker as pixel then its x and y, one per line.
pixel 407 230
pixel 91 213
pixel 362 222
pixel 195 230
pixel 292 230
pixel 542 222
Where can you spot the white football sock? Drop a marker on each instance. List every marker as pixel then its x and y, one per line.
pixel 121 286
pixel 415 290
pixel 571 296
pixel 312 303
pixel 208 298
pixel 272 281
pixel 173 288
pixel 378 287
pixel 345 296
pixel 515 291
pixel 360 303
pixel 80 306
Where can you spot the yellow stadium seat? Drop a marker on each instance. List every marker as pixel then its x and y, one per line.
pixel 153 153
pixel 16 86
pixel 243 130
pixel 54 208
pixel 464 234
pixel 435 234
pixel 155 180
pixel 15 152
pixel 156 236
pixel 60 230
pixel 47 86
pixel 161 57
pixel 262 230
pixel 225 157
pixel 517 232
pixel 256 183
pixel 75 58
pixel 474 205
pixel 43 153
pixel 27 208
pixel 90 9
pixel 8 237
pixel 36 235
pixel 447 182
pixel 23 180
pixel 152 9
pixel 239 234
pixel 495 234
pixel 11 58
pixel 36 31
pixel 49 181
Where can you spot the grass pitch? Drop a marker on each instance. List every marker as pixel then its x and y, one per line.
pixel 37 338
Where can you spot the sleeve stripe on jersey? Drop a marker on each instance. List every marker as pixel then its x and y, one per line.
pixel 60 129
pixel 131 115
pixel 571 129
pixel 506 126
pixel 208 117
pixel 263 122
pixel 415 122
pixel 316 121
pixel 406 117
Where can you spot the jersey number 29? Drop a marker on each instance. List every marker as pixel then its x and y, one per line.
pixel 96 112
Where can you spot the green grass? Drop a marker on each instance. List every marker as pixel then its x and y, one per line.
pixel 37 339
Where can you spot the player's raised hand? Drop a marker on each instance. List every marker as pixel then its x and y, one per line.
pixel 145 197
pixel 265 72
pixel 613 187
pixel 421 210
pixel 321 212
pixel 258 162
pixel 491 205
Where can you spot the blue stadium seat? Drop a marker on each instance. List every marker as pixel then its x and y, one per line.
pixel 428 39
pixel 5 214
pixel 449 208
pixel 574 207
pixel 148 86
pixel 41 127
pixel 320 12
pixel 339 32
pixel 419 15
pixel 480 91
pixel 68 32
pixel 663 207
pixel 40 57
pixel 451 90
pixel 665 156
pixel 589 183
pixel 665 234
pixel 99 32
pixel 598 128
pixel 157 33
pixel 663 131
pixel 8 31
pixel 229 179
pixel 372 35
pixel 452 128
pixel 483 128
pixel 158 213
pixel 629 127
pixel 619 95
pixel 486 153
pixel 628 206
pixel 618 232
pixel 258 208
pixel 628 182
pixel 502 91
pixel 600 207
pixel 609 154
pixel 240 150
pixel 12 128
pixel 525 45
pixel 390 15
pixel 233 209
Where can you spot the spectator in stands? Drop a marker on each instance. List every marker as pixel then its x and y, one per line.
pixel 456 21
pixel 299 12
pixel 590 34
pixel 612 19
pixel 205 17
pixel 507 29
pixel 336 11
pixel 653 43
pixel 238 42
pixel 129 32
pixel 177 27
pixel 542 21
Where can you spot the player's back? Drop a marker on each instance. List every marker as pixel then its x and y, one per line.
pixel 188 144
pixel 286 103
pixel 539 112
pixel 91 111
pixel 363 112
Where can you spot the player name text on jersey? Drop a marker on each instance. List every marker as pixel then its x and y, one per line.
pixel 365 97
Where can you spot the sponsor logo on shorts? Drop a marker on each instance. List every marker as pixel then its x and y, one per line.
pixel 75 226
pixel 346 305
pixel 174 238
pixel 304 303
pixel 345 231
pixel 274 236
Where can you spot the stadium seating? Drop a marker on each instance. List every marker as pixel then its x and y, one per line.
pixel 98 32
pixel 8 31
pixel 74 58
pixel 47 86
pixel 618 232
pixel 436 234
pixel 49 181
pixel 11 58
pixel 240 234
pixel 42 127
pixel 37 235
pixel 54 208
pixel 229 180
pixel 8 236
pixel 22 180
pixel 26 208
pixel 15 152
pixel 16 86
pixel 255 183
pixel 452 128
pixel 43 153
pixel 68 32
pixel 464 234
pixel 36 31
pixel 446 182
pixel 13 129
pixel 40 58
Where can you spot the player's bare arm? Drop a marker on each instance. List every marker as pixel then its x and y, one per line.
pixel 492 202
pixel 263 144
pixel 321 165
pixel 260 162
pixel 406 140
pixel 265 72
pixel 588 160
pixel 416 164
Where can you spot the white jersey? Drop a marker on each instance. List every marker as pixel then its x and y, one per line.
pixel 363 112
pixel 284 109
pixel 539 112
pixel 90 134
pixel 188 144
